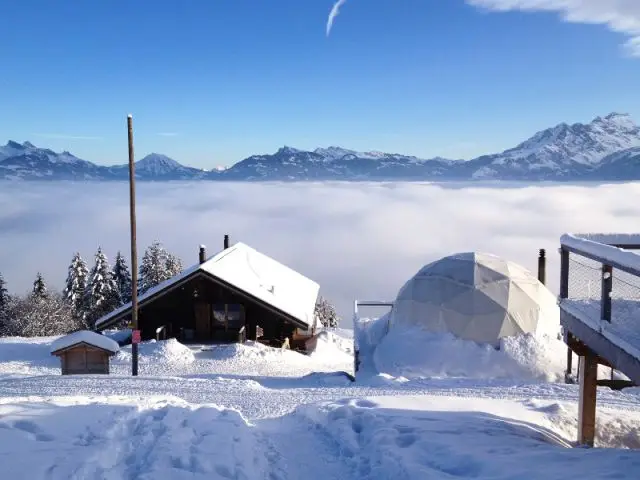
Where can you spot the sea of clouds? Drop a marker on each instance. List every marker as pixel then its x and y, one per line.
pixel 358 240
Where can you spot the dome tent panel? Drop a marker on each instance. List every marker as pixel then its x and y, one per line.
pixel 485 328
pixel 476 296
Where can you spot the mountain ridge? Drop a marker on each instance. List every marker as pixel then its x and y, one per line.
pixel 606 148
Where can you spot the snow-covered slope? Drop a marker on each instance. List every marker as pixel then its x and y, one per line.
pixel 583 144
pixel 284 423
pixel 562 151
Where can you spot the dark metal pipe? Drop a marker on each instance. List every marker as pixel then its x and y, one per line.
pixel 542 266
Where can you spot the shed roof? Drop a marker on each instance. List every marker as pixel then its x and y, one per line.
pixel 85 336
pixel 251 272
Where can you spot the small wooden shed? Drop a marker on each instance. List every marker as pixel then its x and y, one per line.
pixel 84 352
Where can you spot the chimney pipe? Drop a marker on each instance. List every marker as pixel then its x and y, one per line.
pixel 226 242
pixel 542 266
pixel 203 254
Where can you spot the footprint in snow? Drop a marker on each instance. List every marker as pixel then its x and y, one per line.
pixel 32 429
pixel 365 404
pixel 405 440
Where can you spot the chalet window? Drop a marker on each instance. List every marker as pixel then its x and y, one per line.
pixel 228 315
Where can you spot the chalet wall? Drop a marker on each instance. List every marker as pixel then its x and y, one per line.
pixel 84 359
pixel 190 307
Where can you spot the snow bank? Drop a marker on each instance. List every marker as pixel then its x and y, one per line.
pixel 251 352
pixel 419 437
pixel 417 353
pixel 396 437
pixel 332 348
pixel 369 332
pixel 116 438
pixel 27 356
pixel 342 332
pixel 402 354
pixel 31 356
pixel 158 352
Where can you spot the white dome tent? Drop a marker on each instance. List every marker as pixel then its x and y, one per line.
pixel 478 297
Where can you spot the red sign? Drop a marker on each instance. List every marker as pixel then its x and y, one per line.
pixel 135 336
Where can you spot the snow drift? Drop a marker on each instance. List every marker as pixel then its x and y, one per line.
pixel 158 352
pixel 416 353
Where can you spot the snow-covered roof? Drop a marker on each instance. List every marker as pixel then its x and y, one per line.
pixel 253 273
pixel 266 279
pixel 88 337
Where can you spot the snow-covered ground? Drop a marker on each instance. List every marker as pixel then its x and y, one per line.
pixel 249 411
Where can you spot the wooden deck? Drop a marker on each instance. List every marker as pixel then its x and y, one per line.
pixel 600 314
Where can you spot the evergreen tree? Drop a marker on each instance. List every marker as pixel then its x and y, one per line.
pixel 35 315
pixel 173 265
pixel 122 277
pixel 4 294
pixel 102 294
pixel 4 305
pixel 326 313
pixel 76 286
pixel 153 268
pixel 40 287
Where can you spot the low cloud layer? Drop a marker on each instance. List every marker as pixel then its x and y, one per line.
pixel 357 240
pixel 622 16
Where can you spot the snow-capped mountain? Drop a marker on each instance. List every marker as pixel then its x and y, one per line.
pixel 334 163
pixel 608 148
pixel 562 151
pixel 28 162
pixel 156 166
pixel 579 143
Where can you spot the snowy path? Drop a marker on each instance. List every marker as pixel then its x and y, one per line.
pixel 259 398
pixel 295 447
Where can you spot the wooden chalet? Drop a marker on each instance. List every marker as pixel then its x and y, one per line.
pixel 238 294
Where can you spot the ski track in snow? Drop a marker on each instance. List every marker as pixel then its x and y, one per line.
pixel 267 398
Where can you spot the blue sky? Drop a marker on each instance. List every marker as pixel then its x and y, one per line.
pixel 211 82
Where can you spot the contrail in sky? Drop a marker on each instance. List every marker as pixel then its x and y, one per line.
pixel 333 14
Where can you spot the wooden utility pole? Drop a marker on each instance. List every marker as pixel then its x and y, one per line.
pixel 135 334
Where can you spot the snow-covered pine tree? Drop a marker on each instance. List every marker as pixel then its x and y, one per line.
pixel 153 268
pixel 326 313
pixel 4 304
pixel 40 287
pixel 76 285
pixel 174 265
pixel 122 277
pixel 102 292
pixel 4 294
pixel 33 315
